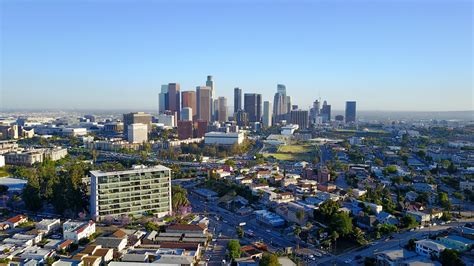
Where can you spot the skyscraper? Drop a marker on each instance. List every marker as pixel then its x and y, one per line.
pixel 187 114
pixel 237 99
pixel 281 104
pixel 253 105
pixel 314 112
pixel 242 118
pixel 203 98
pixel 300 118
pixel 222 109
pixel 210 84
pixel 281 89
pixel 134 118
pixel 163 99
pixel 188 99
pixel 326 112
pixel 267 114
pixel 350 111
pixel 174 99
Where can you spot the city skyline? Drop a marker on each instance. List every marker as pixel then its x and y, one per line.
pixel 385 56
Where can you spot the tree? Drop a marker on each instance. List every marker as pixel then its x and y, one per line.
pixel 327 210
pixel 230 163
pixel 334 237
pixel 408 221
pixel 179 197
pixel 370 261
pixel 378 162
pixel 151 226
pixel 452 168
pixel 358 235
pixel 3 189
pixel 269 260
pixel 450 257
pixel 31 194
pixel 443 200
pixel 240 231
pixel 342 223
pixel 234 248
pixel 446 216
pixel 411 244
pixel 300 215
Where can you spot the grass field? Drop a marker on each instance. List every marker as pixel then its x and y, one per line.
pixel 3 173
pixel 294 149
pixel 293 153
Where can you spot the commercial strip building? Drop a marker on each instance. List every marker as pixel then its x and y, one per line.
pixel 131 192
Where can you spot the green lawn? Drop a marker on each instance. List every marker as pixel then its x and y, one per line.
pixel 293 153
pixel 3 172
pixel 294 149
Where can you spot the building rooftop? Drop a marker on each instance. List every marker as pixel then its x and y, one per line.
pixel 98 173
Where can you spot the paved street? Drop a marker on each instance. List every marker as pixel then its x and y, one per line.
pixel 399 240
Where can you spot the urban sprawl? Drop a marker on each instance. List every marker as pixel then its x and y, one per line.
pixel 262 183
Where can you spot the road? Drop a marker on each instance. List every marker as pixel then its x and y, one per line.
pixel 399 240
pixel 228 221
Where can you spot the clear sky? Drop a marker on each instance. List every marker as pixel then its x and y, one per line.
pixel 103 54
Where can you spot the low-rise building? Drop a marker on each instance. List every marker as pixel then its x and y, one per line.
pixel 269 218
pixel 224 138
pixel 429 248
pixel 76 231
pixel 48 225
pixel 466 185
pixel 458 243
pixel 16 220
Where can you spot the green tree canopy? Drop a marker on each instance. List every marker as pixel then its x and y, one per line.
pixel 234 248
pixel 450 257
pixel 269 260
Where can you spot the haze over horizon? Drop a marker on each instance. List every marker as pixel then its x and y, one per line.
pixel 394 56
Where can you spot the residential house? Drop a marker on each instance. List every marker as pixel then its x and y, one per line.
pixel 16 220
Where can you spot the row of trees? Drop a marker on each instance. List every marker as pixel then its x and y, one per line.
pixel 63 189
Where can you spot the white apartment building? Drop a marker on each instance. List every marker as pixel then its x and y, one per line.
pixel 131 192
pixel 137 133
pixel 428 248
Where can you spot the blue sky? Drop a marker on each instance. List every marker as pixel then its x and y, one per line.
pixel 386 55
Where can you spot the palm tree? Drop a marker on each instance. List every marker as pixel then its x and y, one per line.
pixel 334 237
pixel 297 232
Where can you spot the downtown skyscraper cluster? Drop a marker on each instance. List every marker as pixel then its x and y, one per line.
pixel 203 105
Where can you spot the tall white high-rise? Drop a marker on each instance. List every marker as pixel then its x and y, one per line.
pixel 137 133
pixel 267 114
